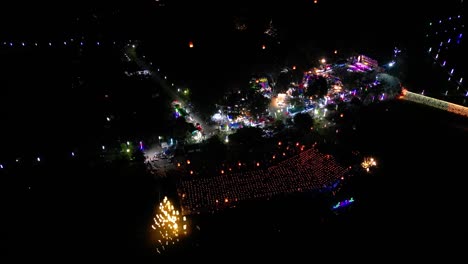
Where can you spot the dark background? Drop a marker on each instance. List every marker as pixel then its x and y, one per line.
pixel 83 211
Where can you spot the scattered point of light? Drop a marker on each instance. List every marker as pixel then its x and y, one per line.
pixel 258 164
pixel 336 52
pixel 22 44
pixel 103 147
pixel 165 77
pixel 315 1
pixel 294 67
pixel 108 119
pixel 443 64
pixel 190 44
pixel 390 64
pixel 128 150
pixel 98 43
pixel 323 61
pixel 50 44
pixel 188 162
pixel 38 159
pixel 263 47
pixel 133 46
pixel 461 80
pixel 451 72
pixel 73 154
pixel 128 143
pixel 1 166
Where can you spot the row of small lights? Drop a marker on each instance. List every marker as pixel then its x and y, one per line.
pixel 73 153
pixel 256 163
pixel 444 63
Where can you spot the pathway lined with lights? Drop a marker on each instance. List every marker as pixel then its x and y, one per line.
pixel 162 81
pixel 436 103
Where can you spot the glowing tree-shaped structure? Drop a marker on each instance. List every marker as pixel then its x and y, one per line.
pixel 168 225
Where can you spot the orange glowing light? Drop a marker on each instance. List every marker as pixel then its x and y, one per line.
pixel 190 44
pixel 263 47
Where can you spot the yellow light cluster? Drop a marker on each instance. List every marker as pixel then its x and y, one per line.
pixel 169 225
pixel 368 163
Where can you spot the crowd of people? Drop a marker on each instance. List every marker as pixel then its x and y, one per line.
pixel 308 171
